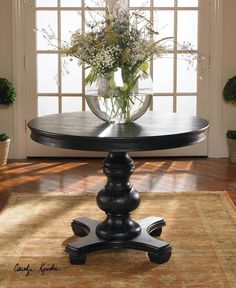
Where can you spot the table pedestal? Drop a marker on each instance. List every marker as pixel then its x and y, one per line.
pixel 118 199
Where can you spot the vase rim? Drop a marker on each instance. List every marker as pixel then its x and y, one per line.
pixel 118 95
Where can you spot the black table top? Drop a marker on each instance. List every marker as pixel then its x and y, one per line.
pixel 84 131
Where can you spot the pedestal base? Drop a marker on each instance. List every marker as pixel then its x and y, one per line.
pixel 158 251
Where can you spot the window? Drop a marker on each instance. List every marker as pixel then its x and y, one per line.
pixel 60 85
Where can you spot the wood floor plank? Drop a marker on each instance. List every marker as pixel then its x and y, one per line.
pixel 84 175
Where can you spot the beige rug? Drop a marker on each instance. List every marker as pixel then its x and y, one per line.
pixel 200 228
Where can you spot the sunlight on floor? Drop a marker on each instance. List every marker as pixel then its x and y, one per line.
pixel 165 176
pixel 180 165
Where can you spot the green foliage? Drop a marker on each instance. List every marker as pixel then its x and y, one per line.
pixel 7 92
pixel 3 137
pixel 229 91
pixel 231 134
pixel 229 94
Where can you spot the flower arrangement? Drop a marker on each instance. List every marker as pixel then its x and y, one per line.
pixel 115 43
pixel 118 51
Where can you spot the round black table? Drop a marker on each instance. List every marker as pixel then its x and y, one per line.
pixel 84 131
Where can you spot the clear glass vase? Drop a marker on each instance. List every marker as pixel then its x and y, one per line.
pixel 119 104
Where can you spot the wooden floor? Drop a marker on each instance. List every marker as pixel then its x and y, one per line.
pixel 84 175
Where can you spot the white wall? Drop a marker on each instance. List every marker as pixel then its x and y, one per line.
pixel 228 112
pixel 6 69
pixel 228 61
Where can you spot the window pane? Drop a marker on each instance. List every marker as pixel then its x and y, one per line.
pixel 47 105
pixel 47 73
pixel 71 76
pixel 92 17
pixel 188 3
pixel 164 3
pixel 144 13
pixel 187 29
pixel 143 3
pixel 95 3
pixel 71 104
pixel 70 22
pixel 70 3
pixel 164 25
pixel 140 24
pixel 163 74
pixel 46 24
pixel 163 103
pixel 46 3
pixel 187 105
pixel 186 74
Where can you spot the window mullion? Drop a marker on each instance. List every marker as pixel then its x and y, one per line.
pixel 151 62
pixel 83 68
pixel 175 58
pixel 59 56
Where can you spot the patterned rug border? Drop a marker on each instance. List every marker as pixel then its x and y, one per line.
pixel 224 195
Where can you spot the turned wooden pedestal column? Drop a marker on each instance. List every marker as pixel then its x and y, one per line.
pixel 118 199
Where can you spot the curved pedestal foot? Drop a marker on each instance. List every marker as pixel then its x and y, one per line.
pixel 158 251
pixel 153 225
pixel 77 260
pixel 81 226
pixel 156 232
pixel 160 258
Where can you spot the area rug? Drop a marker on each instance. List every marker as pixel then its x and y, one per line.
pixel 200 227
